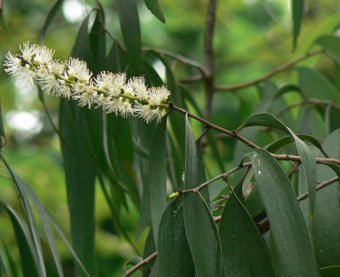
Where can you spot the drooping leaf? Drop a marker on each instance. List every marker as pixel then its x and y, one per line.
pixel 287 225
pixel 312 82
pixel 130 27
pixel 297 14
pixel 28 254
pixel 199 231
pixel 32 225
pixel 278 144
pixel 51 15
pixel 157 176
pixel 308 162
pixel 80 170
pixel 154 7
pixel 326 224
pixel 174 257
pixel 331 44
pixel 244 251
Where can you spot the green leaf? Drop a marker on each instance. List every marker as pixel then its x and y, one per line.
pixel 297 13
pixel 80 170
pixel 142 136
pixel 28 191
pixel 331 44
pixel 326 224
pixel 281 142
pixel 26 206
pixel 80 180
pixel 3 139
pixel 197 223
pixel 130 27
pixel 97 41
pixel 149 249
pixel 157 176
pixel 287 225
pixel 174 257
pixel 312 82
pixel 244 251
pixel 28 254
pixel 308 162
pixel 51 15
pixel 11 262
pixel 154 7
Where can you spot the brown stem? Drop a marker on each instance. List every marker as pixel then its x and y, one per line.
pixel 140 264
pixel 209 56
pixel 214 126
pixel 225 175
pixel 306 102
pixel 270 74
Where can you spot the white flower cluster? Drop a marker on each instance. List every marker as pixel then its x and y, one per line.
pixel 73 80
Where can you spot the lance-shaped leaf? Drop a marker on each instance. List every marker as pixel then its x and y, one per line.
pixel 244 251
pixel 312 82
pixel 28 254
pixel 129 25
pixel 197 222
pixel 157 176
pixel 79 169
pixel 287 225
pixel 174 257
pixel 308 162
pixel 297 13
pixel 331 44
pixel 50 16
pixel 154 7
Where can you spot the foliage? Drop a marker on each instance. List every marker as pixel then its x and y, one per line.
pixel 258 196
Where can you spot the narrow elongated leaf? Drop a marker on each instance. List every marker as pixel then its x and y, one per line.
pixel 326 224
pixel 51 15
pixel 157 176
pixel 276 145
pixel 2 130
pixel 312 82
pixel 129 25
pixel 80 171
pixel 174 257
pixel 297 14
pixel 308 162
pixel 331 44
pixel 287 225
pixel 197 223
pixel 154 7
pixel 26 206
pixel 28 191
pixel 11 262
pixel 28 254
pixel 244 251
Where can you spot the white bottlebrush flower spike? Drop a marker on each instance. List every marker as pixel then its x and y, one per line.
pixel 73 80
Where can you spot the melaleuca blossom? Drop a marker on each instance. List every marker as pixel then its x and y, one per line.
pixel 73 80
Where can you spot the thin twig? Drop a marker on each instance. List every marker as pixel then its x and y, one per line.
pixel 213 126
pixel 321 186
pixel 140 264
pixel 306 102
pixel 270 74
pixel 224 175
pixel 180 58
pixel 209 57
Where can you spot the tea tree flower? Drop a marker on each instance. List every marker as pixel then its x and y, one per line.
pixel 73 80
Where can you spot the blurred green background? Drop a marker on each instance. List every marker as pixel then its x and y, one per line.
pixel 252 38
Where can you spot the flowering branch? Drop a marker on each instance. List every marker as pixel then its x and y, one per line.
pixel 73 80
